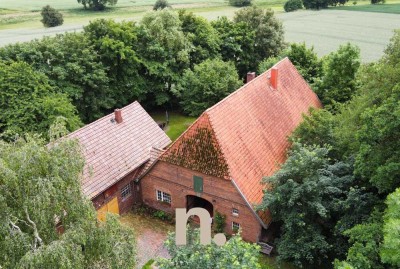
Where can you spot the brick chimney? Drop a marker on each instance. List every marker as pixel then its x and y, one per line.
pixel 118 115
pixel 250 76
pixel 274 78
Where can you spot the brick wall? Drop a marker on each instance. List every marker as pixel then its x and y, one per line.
pixel 178 182
pixel 124 205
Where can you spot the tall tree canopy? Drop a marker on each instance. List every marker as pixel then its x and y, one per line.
pixel 204 38
pixel 97 4
pixel 29 103
pixel 117 45
pixel 307 195
pixel 40 188
pixel 338 84
pixel 73 66
pixel 269 38
pixel 305 59
pixel 237 43
pixel 208 83
pixel 165 51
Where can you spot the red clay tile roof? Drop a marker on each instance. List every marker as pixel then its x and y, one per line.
pixel 114 150
pixel 252 124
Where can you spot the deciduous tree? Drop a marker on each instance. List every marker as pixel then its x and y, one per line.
pixel 41 188
pixel 207 84
pixel 29 103
pixel 269 38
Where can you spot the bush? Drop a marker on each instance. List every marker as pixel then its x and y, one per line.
pixel 162 215
pixel 293 5
pixel 161 4
pixel 377 1
pixel 240 3
pixel 219 221
pixel 51 17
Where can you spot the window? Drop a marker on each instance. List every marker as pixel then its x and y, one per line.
pixel 235 212
pixel 126 191
pixel 235 226
pixel 163 197
pixel 197 184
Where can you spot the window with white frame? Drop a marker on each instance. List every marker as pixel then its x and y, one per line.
pixel 235 226
pixel 163 197
pixel 126 191
pixel 235 212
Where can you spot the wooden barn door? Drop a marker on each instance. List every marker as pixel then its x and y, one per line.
pixel 110 207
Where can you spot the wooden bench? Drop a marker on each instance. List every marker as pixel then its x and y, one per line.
pixel 265 248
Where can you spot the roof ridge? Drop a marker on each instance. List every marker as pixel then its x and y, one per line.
pixel 94 122
pixel 244 86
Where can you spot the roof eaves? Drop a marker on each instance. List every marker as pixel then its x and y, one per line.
pixel 265 226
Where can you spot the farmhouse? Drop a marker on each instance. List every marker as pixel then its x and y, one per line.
pixel 218 163
pixel 118 148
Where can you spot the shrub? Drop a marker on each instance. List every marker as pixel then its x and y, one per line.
pixel 162 215
pixel 219 221
pixel 240 3
pixel 161 4
pixel 293 5
pixel 51 17
pixel 377 1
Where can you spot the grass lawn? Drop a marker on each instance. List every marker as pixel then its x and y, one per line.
pixel 271 263
pixel 381 8
pixel 178 123
pixel 26 14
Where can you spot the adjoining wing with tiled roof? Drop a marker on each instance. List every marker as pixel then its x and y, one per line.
pixel 112 150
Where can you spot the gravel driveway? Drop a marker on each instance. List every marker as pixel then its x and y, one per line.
pixel 150 235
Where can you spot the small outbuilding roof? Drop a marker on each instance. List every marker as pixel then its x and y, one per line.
pixel 114 147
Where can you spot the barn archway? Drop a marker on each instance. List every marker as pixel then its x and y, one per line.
pixel 195 201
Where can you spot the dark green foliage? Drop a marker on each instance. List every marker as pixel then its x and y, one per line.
pixel 203 37
pixel 234 254
pixel 268 41
pixel 207 84
pixel 161 4
pixel 219 222
pixel 164 50
pixel 377 1
pixel 366 129
pixel 307 196
pixel 316 129
pixel 237 43
pixel 29 103
pixel 73 66
pixel 51 17
pixel 365 239
pixel 319 4
pixel 240 3
pixel 97 4
pixel 162 215
pixel 117 45
pixel 339 83
pixel 391 241
pixel 315 4
pixel 293 5
pixel 305 60
pixel 40 187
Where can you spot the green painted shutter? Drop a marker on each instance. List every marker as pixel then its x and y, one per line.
pixel 198 184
